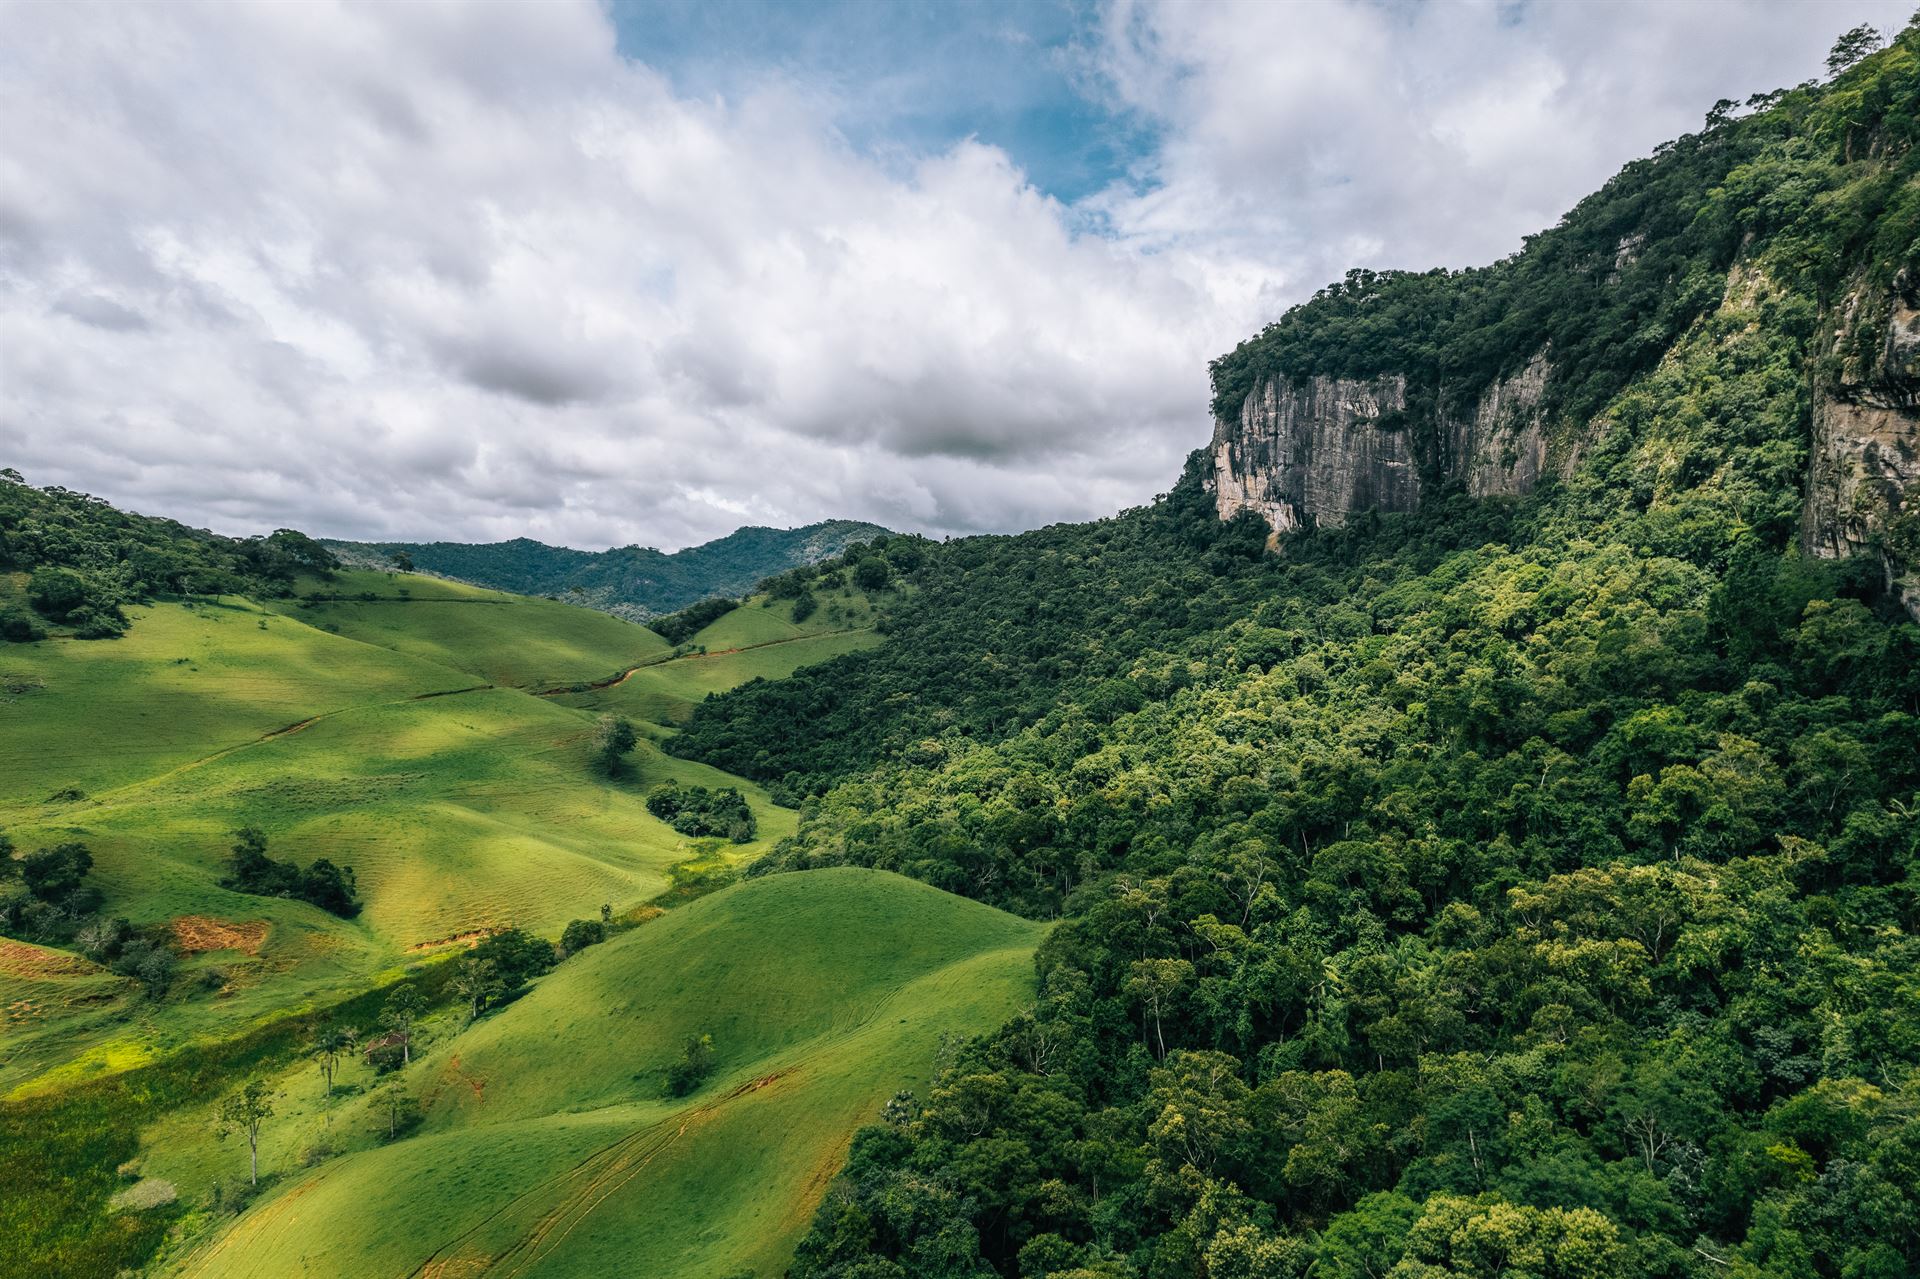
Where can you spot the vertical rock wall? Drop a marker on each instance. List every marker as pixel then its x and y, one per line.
pixel 1318 450
pixel 1863 481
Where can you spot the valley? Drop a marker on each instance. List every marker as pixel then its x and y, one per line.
pixel 434 738
pixel 1466 827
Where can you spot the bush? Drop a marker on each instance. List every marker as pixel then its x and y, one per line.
pixel 57 592
pixel 580 934
pixel 98 622
pixel 695 1064
pixel 700 811
pixel 19 626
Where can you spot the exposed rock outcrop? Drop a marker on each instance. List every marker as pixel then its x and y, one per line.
pixel 1319 450
pixel 1863 481
pixel 1316 451
pixel 1505 445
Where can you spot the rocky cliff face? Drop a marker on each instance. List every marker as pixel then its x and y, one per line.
pixel 1318 450
pixel 1863 482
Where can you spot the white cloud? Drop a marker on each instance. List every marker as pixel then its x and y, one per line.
pixel 432 270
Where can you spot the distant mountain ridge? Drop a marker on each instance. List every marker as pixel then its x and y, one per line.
pixel 633 581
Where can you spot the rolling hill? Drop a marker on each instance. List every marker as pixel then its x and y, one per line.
pixel 546 1147
pixel 380 742
pixel 435 736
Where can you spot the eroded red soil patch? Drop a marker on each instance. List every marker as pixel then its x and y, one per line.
pixel 198 933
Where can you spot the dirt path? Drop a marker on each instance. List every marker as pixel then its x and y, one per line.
pixel 614 681
pixel 581 1189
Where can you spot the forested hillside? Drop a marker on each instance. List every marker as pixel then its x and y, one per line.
pixel 70 560
pixel 1515 888
pixel 636 582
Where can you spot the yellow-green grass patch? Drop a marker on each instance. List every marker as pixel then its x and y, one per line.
pixel 512 640
pixel 185 683
pixel 666 692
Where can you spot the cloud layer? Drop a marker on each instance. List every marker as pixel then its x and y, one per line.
pixel 433 270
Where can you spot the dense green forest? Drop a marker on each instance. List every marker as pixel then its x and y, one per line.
pixel 81 560
pixel 638 582
pixel 1524 888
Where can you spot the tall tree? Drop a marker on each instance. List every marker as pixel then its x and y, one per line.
pixel 402 1011
pixel 246 1112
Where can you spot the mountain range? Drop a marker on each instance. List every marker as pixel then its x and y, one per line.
pixel 636 582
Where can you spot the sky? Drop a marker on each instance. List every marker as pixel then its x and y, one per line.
pixel 646 271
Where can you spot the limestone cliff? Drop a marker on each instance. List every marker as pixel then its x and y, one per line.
pixel 1322 448
pixel 1863 481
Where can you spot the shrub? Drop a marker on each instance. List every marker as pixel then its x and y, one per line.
pixel 19 626
pixel 580 934
pixel 695 1064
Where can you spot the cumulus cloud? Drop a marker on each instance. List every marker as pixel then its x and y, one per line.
pixel 434 270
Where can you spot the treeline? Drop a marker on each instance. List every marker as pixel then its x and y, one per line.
pixel 1515 888
pixel 868 566
pixel 992 632
pixel 85 560
pixel 323 884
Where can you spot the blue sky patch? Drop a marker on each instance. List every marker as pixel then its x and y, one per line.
pixel 913 77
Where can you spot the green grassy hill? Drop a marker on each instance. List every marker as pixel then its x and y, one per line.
pixel 410 728
pixel 374 742
pixel 546 1148
pixel 759 640
pixel 504 639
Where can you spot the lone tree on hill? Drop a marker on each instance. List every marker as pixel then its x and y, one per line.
pixel 612 739
pixel 401 1013
pixel 1853 46
pixel 397 1105
pixel 246 1112
pixel 478 983
pixel 331 1045
pixel 695 1064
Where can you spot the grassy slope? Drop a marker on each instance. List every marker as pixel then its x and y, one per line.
pixel 456 811
pixel 505 639
pixel 546 1149
pixel 759 640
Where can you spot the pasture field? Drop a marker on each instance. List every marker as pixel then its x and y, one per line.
pixel 459 807
pixel 512 640
pixel 186 682
pixel 760 620
pixel 547 1147
pixel 410 737
pixel 758 640
pixel 666 692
